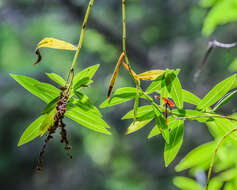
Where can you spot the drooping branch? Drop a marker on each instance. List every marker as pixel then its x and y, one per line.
pixel 211 45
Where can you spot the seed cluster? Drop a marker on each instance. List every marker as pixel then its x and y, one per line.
pixel 58 123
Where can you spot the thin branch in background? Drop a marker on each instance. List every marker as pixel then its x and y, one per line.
pixel 211 45
pixel 214 155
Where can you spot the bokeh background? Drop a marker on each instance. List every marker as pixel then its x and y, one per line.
pixel 161 34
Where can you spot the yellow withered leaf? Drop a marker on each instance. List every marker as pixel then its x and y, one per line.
pixel 53 43
pixel 150 75
pixel 115 74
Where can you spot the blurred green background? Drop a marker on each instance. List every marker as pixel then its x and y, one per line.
pixel 161 34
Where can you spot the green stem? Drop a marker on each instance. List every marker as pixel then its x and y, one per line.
pixel 214 155
pixel 80 42
pixel 136 81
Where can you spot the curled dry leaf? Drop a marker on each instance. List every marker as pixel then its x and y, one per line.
pixel 53 43
pixel 115 74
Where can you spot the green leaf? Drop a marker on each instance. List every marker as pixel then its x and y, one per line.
pixel 136 104
pixel 172 123
pixel 44 91
pixel 56 78
pixel 190 97
pixel 185 183
pixel 142 111
pixel 176 89
pixel 220 126
pixel 155 85
pixel 224 100
pixel 32 131
pixel 217 92
pixel 165 85
pixel 83 82
pixel 176 140
pixel 84 102
pixel 48 122
pixel 197 156
pixel 135 126
pixel 121 95
pixel 222 12
pixel 86 73
pixel 87 119
pixel 160 122
pixel 50 106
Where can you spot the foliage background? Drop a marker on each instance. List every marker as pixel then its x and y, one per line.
pixel 161 34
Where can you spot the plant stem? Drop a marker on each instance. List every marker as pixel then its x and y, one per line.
pixel 80 42
pixel 205 116
pixel 137 82
pixel 214 155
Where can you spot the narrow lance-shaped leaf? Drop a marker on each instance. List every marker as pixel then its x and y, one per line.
pixel 150 75
pixel 86 73
pixel 164 90
pixel 32 131
pixel 156 84
pixel 121 95
pixel 48 122
pixel 172 123
pixel 50 106
pixel 84 102
pixel 56 78
pixel 87 119
pixel 53 43
pixel 190 97
pixel 217 92
pixel 115 74
pixel 44 91
pixel 160 121
pixel 176 140
pixel 136 104
pixel 176 89
pixel 142 111
pixel 136 125
pixel 197 156
pixel 224 100
pixel 187 183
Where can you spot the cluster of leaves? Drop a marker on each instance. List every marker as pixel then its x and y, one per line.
pixel 79 107
pixel 168 86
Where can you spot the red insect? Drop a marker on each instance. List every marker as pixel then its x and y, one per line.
pixel 167 103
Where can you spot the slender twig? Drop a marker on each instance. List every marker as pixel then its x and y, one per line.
pixel 80 42
pixel 204 116
pixel 214 155
pixel 137 82
pixel 211 45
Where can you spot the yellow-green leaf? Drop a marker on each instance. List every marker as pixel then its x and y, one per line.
pixel 172 123
pixel 176 140
pixel 88 119
pixel 56 44
pixel 135 126
pixel 150 75
pixel 32 131
pixel 217 92
pixel 44 91
pixel 56 78
pixel 197 156
pixel 48 122
pixel 185 183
